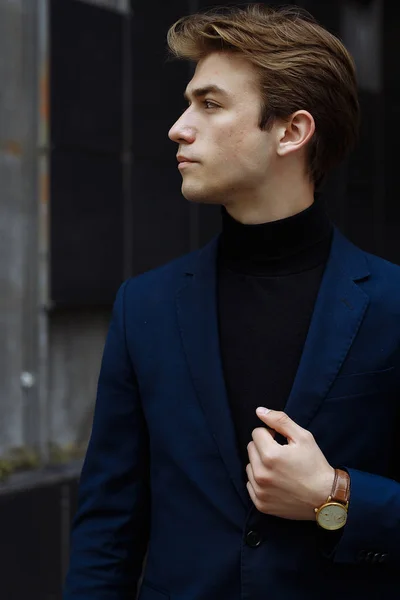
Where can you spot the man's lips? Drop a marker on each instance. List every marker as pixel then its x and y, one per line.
pixel 182 158
pixel 184 162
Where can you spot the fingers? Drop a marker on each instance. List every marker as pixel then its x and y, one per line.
pixel 252 493
pixel 281 423
pixel 254 456
pixel 252 485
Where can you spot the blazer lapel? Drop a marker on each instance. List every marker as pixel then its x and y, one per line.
pixel 198 323
pixel 338 314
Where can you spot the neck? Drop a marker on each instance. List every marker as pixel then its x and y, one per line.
pixel 284 197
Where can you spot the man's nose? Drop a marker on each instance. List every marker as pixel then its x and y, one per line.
pixel 181 132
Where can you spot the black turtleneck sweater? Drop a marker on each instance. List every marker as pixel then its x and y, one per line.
pixel 268 279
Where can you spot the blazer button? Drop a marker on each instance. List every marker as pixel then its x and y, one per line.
pixel 253 539
pixel 369 556
pixel 383 558
pixel 376 557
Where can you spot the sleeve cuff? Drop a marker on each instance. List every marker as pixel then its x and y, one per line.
pixel 372 531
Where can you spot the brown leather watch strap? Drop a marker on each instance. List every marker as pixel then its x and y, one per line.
pixel 341 487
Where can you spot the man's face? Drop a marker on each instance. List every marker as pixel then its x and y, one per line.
pixel 232 157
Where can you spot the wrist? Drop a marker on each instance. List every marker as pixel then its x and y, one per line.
pixel 324 489
pixel 332 513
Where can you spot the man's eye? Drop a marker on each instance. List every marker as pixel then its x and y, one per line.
pixel 208 104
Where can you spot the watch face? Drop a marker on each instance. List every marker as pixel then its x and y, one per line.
pixel 332 516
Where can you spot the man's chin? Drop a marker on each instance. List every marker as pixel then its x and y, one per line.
pixel 198 196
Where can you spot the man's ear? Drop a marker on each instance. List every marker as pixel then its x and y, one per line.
pixel 295 133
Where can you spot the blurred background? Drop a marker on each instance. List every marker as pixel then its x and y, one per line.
pixel 90 195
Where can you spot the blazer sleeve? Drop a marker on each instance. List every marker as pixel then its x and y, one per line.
pixel 372 532
pixel 111 527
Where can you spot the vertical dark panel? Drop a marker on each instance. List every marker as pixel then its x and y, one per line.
pixel 87 225
pixel 86 76
pixel 361 28
pixel 364 176
pixel 388 123
pixel 87 143
pixel 160 229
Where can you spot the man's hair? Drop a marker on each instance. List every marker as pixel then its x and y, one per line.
pixel 300 64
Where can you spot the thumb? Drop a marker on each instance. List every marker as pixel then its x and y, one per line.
pixel 280 422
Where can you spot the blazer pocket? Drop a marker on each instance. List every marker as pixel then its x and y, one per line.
pixel 362 384
pixel 148 592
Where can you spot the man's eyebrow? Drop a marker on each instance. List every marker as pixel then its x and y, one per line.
pixel 203 91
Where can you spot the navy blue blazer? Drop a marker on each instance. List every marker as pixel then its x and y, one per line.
pixel 162 472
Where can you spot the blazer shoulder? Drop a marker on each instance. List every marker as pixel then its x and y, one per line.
pixel 384 283
pixel 377 276
pixel 167 277
pixel 384 269
pixel 163 273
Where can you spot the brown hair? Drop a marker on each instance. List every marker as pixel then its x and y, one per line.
pixel 300 64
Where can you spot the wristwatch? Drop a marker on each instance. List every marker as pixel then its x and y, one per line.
pixel 332 514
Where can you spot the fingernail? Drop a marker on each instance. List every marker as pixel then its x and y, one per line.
pixel 261 410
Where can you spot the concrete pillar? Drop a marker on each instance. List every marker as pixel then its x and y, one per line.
pixel 18 218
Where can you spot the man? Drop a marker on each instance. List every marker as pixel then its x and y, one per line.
pixel 245 426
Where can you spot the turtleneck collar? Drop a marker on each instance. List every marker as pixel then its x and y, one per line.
pixel 283 247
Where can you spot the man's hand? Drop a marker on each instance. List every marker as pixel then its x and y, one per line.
pixel 287 481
